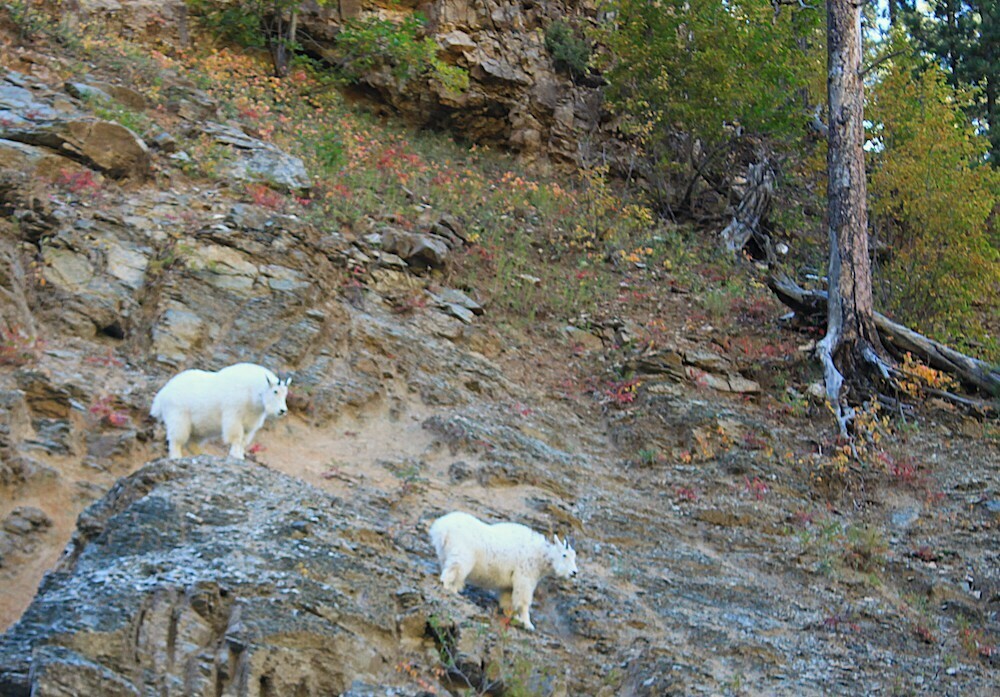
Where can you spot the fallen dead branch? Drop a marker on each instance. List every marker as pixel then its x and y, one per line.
pixel 898 339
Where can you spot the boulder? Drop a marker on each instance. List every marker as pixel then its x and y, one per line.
pixel 104 145
pixel 32 118
pixel 422 249
pixel 257 161
pixel 207 576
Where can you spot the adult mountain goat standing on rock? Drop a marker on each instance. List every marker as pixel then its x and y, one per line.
pixel 507 557
pixel 198 404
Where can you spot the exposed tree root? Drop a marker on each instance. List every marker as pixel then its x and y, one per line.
pixel 898 339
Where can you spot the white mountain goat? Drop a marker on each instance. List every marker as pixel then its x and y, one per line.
pixel 198 404
pixel 507 557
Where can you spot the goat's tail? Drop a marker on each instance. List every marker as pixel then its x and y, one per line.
pixel 156 411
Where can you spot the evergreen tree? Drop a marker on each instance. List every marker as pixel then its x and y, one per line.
pixel 963 36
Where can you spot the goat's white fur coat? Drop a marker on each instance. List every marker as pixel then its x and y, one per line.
pixel 233 402
pixel 507 557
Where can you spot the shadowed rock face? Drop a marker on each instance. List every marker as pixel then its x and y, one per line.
pixel 172 587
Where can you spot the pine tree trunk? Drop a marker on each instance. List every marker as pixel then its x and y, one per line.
pixel 851 347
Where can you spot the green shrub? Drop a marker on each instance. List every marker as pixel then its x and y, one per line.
pixel 329 150
pixel 243 23
pixel 570 53
pixel 262 24
pixel 366 44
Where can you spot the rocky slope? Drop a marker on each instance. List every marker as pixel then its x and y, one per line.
pixel 712 566
pixel 517 98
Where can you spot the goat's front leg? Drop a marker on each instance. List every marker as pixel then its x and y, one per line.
pixel 521 601
pixel 232 433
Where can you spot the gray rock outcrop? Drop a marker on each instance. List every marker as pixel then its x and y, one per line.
pixel 35 116
pixel 170 587
pixel 256 161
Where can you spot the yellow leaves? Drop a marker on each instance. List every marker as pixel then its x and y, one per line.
pixel 931 198
pixel 917 378
pixel 635 256
pixel 638 216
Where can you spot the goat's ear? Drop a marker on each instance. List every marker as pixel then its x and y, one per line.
pixel 269 383
pixel 286 382
pixel 555 539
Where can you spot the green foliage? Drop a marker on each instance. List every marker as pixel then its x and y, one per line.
pixel 865 548
pixel 367 44
pixel 233 21
pixel 962 37
pixel 570 53
pixel 931 200
pixel 135 121
pixel 649 456
pixel 34 20
pixel 261 24
pixel 840 548
pixel 329 150
pixel 701 66
pixel 28 21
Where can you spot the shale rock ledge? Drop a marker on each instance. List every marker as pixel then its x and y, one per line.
pixel 206 576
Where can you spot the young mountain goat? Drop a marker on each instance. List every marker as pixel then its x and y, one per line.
pixel 507 557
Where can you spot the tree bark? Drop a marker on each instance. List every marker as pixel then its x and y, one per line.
pixel 851 347
pixel 281 38
pixel 752 209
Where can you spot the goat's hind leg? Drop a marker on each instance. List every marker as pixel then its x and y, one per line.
pixel 506 602
pixel 178 435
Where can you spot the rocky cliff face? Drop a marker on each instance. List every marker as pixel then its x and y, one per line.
pixel 169 588
pixel 308 572
pixel 131 282
pixel 516 100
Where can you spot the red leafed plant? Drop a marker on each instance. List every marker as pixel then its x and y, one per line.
pixel 104 408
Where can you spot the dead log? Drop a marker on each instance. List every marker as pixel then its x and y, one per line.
pixel 811 305
pixel 752 209
pixel 988 408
